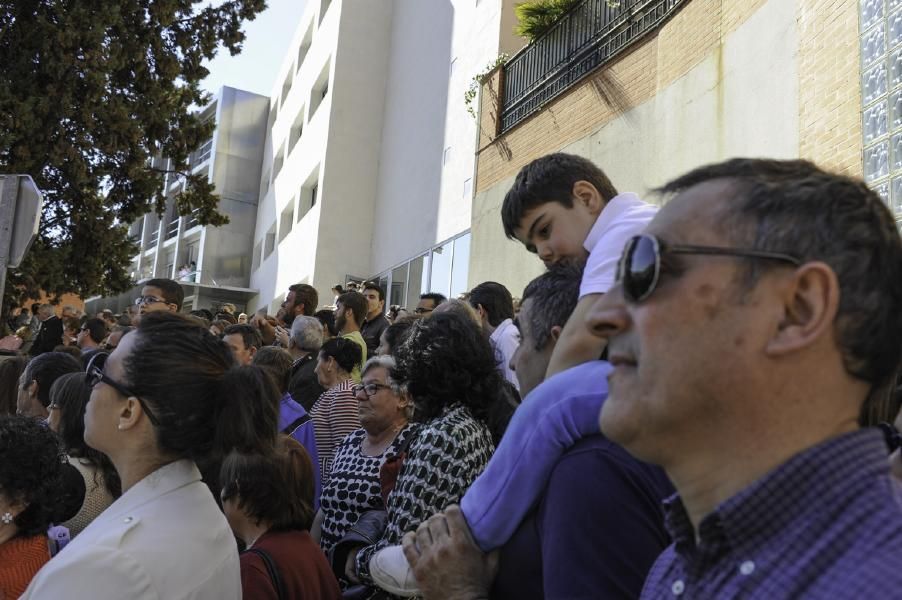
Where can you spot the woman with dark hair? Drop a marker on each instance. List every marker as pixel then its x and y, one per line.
pixel 30 480
pixel 268 501
pixel 167 398
pixel 11 366
pixel 393 335
pixel 69 397
pixel 334 413
pixel 448 368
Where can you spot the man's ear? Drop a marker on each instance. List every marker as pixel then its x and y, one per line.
pixel 556 333
pixel 32 389
pixel 129 413
pixel 810 301
pixel 588 196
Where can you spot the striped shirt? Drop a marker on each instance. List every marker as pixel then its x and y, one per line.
pixel 827 523
pixel 334 416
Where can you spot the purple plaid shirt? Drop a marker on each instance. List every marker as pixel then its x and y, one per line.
pixel 825 524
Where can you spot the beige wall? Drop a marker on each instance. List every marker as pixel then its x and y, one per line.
pixel 720 79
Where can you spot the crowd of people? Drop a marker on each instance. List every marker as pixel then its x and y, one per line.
pixel 696 400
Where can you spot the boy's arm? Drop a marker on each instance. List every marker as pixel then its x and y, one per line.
pixel 576 344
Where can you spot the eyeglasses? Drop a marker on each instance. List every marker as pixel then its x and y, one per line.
pixel 640 265
pixel 369 388
pixel 420 310
pixel 147 300
pixel 94 374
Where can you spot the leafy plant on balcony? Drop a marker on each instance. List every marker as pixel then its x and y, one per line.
pixel 535 17
pixel 478 80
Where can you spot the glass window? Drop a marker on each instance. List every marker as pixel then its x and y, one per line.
pixel 441 269
pixel 397 294
pixel 460 268
pixel 417 279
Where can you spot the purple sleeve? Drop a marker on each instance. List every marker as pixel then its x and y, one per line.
pixel 306 435
pixel 556 415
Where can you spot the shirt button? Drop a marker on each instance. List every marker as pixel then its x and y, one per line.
pixel 678 587
pixel 747 568
pixel 127 520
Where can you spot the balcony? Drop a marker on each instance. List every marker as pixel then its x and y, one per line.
pixel 584 39
pixel 202 154
pixel 173 229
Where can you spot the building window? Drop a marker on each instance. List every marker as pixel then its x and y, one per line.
pixel 269 243
pixel 468 189
pixel 305 46
pixel 453 67
pixel 320 90
pixel 881 98
pixel 286 87
pixel 277 164
pixel 286 221
pixel 297 129
pixel 313 193
pixel 309 194
pixel 446 155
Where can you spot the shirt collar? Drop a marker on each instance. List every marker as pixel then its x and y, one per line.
pixel 162 481
pixel 827 474
pixel 609 215
pixel 499 331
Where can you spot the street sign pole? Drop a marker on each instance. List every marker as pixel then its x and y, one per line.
pixel 8 200
pixel 20 215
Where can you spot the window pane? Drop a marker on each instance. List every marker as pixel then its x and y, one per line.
pixel 876 161
pixel 441 269
pixel 461 267
pixel 875 125
pixel 871 12
pixel 873 84
pixel 416 282
pixel 398 286
pixel 872 46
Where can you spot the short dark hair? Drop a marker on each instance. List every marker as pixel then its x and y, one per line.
pixel 372 285
pixel 306 294
pixel 250 335
pixel 327 318
pixel 276 488
pixel 394 333
pixel 70 394
pixel 356 302
pixel 277 363
pixel 347 353
pixel 793 207
pixel 554 296
pixel 172 291
pixel 495 299
pixel 435 297
pixel 47 368
pixel 550 179
pixel 96 329
pixel 31 471
pixel 205 404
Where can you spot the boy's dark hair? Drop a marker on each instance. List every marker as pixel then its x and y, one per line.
pixel 495 299
pixel 356 302
pixel 550 179
pixel 277 363
pixel 250 335
pixel 327 318
pixel 172 291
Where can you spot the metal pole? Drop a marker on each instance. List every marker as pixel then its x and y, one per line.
pixel 7 218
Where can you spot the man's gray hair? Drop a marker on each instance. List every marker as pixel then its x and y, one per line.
pixel 307 333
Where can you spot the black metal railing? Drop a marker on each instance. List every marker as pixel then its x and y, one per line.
pixel 586 37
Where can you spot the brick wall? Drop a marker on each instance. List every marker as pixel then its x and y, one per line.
pixel 829 90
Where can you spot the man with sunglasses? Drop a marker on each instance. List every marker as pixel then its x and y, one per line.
pixel 90 336
pixel 748 328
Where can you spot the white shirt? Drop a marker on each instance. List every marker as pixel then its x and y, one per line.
pixel 506 340
pixel 164 539
pixel 622 217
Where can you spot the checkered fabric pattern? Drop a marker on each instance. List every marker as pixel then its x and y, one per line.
pixel 825 524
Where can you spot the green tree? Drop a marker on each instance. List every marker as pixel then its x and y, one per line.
pixel 90 92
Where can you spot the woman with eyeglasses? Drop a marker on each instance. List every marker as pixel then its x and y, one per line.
pixel 69 397
pixel 334 413
pixel 166 400
pixel 354 486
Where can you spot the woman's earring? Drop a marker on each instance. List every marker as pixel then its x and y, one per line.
pixel 7 518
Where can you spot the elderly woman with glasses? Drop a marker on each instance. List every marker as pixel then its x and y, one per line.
pixel 334 413
pixel 354 486
pixel 167 401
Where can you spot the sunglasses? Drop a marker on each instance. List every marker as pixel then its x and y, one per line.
pixel 94 374
pixel 640 265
